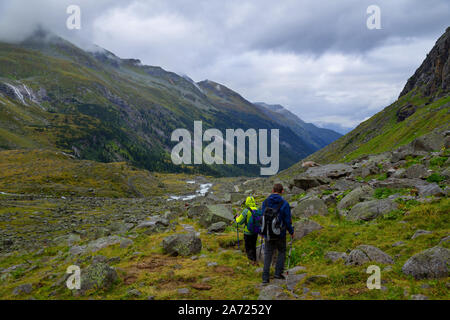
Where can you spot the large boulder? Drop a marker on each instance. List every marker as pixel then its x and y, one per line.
pixel 355 196
pixel 273 292
pixel 334 256
pixel 182 244
pixel 155 224
pixel 305 227
pixel 430 189
pixel 209 214
pixel 431 263
pixel 365 253
pixel 310 207
pixel 395 183
pixel 333 171
pixel 98 276
pixel 416 171
pixel 98 244
pixel 370 210
pixel 346 184
pixel 217 227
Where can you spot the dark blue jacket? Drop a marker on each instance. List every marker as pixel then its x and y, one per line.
pixel 273 201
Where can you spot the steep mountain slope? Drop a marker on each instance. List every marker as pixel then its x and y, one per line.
pixel 318 137
pixel 423 106
pixel 104 108
pixel 240 113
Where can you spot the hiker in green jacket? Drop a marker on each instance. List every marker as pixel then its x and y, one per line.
pixel 250 238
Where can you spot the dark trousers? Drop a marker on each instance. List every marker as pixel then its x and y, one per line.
pixel 269 248
pixel 250 245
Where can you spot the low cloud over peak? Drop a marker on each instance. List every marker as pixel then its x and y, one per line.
pixel 318 59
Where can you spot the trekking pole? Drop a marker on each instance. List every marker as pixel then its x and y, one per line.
pixel 289 261
pixel 260 248
pixel 289 258
pixel 237 231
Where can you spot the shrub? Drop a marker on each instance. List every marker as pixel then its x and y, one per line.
pixel 435 177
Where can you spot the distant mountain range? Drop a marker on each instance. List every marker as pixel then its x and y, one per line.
pixel 318 137
pixel 100 107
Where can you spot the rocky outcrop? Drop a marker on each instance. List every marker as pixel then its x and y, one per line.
pixel 366 253
pixel 431 263
pixel 310 207
pixel 333 171
pixel 355 196
pixel 434 73
pixel 210 214
pixel 98 276
pixel 305 227
pixel 182 244
pixel 370 210
pixel 334 256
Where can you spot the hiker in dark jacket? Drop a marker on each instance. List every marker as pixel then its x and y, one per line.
pixel 270 245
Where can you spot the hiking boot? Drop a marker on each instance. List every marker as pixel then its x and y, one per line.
pixel 280 277
pixel 265 282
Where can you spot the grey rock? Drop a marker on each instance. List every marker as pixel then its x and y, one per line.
pixel 310 207
pixel 429 189
pixel 23 289
pixel 394 183
pixel 296 270
pixel 134 293
pixel 305 227
pixel 398 244
pixel 273 292
pixel 217 227
pixel 419 297
pixel 101 243
pixel 365 253
pixel 355 196
pixel 430 263
pixel 334 256
pixel 155 224
pixel 333 171
pixel 306 182
pixel 419 233
pixel 293 279
pixel 416 171
pixel 370 210
pixel 98 276
pixel 182 244
pixel 183 291
pixel 210 214
pixel 125 243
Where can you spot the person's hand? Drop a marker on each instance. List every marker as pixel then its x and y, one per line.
pixel 292 235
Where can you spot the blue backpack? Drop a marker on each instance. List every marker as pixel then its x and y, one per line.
pixel 254 224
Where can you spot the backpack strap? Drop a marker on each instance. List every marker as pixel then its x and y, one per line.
pixel 280 205
pixel 247 218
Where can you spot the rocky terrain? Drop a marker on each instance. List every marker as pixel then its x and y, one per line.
pixel 390 210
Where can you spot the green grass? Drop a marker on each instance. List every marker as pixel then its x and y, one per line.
pixel 158 275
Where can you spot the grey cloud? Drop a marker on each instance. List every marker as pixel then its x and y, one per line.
pixel 315 57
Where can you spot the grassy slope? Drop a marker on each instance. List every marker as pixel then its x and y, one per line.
pixel 53 173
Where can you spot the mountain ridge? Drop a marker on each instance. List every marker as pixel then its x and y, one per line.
pixel 101 107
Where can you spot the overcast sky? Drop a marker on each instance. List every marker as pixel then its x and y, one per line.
pixel 316 58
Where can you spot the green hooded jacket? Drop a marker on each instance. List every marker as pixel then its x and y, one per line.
pixel 245 215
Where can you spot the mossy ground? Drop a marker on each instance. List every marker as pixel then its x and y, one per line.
pixel 144 267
